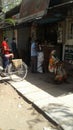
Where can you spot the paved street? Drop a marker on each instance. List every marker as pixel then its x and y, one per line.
pixel 56 101
pixel 40 32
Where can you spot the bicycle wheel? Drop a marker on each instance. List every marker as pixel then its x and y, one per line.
pixel 19 73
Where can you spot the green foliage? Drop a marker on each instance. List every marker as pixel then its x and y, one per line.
pixel 9 4
pixel 10 21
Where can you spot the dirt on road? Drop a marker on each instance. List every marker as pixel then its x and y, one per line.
pixel 17 114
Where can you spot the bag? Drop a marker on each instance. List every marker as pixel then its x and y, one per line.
pixel 17 62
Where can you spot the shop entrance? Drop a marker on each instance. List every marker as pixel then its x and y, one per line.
pixel 47 35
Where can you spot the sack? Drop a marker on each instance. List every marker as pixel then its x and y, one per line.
pixel 51 68
pixel 17 62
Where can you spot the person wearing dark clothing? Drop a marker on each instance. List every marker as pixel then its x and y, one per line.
pixel 14 48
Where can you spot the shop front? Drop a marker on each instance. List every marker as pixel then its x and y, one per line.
pixel 47 24
pixel 41 25
pixel 50 35
pixel 68 46
pixel 46 21
pixel 30 12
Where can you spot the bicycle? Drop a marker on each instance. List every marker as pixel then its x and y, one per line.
pixel 16 70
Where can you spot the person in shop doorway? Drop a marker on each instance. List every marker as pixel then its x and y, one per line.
pixel 6 53
pixel 40 59
pixel 34 56
pixel 14 48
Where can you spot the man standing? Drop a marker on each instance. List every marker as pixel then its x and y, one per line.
pixel 14 47
pixel 34 56
pixel 6 52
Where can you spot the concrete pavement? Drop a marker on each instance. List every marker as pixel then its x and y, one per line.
pixel 56 101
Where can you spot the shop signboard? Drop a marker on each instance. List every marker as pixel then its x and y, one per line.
pixel 68 55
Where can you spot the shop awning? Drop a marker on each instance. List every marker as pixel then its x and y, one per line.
pixel 33 9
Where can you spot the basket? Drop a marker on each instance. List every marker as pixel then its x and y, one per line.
pixel 17 62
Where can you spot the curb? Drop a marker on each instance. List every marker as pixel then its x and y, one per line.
pixel 58 126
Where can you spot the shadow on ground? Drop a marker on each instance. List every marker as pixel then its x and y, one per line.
pixel 45 82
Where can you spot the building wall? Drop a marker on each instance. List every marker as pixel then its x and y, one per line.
pixel 22 39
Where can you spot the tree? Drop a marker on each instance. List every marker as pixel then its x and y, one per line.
pixel 9 4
